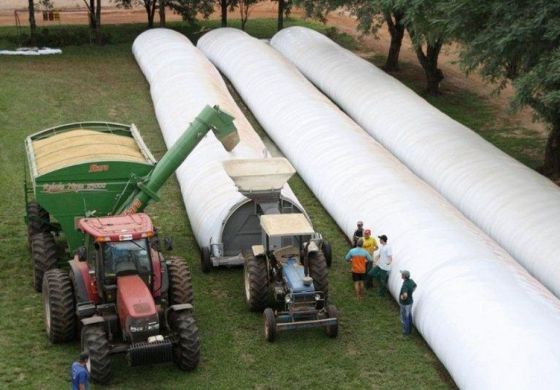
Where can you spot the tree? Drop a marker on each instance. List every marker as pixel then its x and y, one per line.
pixel 94 11
pixel 284 8
pixel 244 10
pixel 162 5
pixel 189 9
pixel 371 15
pixel 425 22
pixel 149 5
pixel 32 23
pixel 517 42
pixel 224 6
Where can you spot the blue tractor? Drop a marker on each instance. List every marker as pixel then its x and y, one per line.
pixel 290 270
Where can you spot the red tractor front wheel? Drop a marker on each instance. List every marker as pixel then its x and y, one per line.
pixel 95 343
pixel 186 350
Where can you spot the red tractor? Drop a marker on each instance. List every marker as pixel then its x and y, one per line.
pixel 124 297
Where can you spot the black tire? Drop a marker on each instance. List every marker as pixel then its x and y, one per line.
pixel 256 282
pixel 37 221
pixel 58 304
pixel 269 325
pixel 180 282
pixel 327 251
pixel 318 271
pixel 95 343
pixel 186 349
pixel 43 254
pixel 332 330
pixel 205 260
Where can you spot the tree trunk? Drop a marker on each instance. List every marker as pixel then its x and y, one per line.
pixel 92 14
pixel 162 4
pixel 551 166
pixel 224 5
pixel 32 23
pixel 98 37
pixel 429 61
pixel 150 6
pixel 396 29
pixel 281 6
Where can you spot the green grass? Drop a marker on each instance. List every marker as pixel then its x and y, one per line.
pixel 92 83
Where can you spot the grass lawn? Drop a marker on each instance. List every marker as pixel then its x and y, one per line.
pixel 104 83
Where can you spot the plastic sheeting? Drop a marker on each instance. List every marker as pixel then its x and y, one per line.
pixel 182 81
pixel 490 322
pixel 513 204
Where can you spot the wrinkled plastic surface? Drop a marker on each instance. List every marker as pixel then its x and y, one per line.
pixel 182 81
pixel 491 324
pixel 516 206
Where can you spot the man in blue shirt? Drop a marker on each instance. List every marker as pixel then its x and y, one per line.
pixel 80 374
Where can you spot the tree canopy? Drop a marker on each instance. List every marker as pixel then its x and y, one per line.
pixel 517 41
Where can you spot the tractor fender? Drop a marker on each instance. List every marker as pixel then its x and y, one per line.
pixel 80 271
pixel 92 320
pixel 312 247
pixel 181 307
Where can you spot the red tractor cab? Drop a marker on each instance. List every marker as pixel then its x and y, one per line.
pixel 125 297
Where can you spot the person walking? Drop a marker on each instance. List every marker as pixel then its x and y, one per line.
pixel 405 302
pixel 358 233
pixel 383 265
pixel 370 245
pixel 358 257
pixel 80 374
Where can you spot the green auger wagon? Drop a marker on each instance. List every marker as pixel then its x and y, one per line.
pixel 95 169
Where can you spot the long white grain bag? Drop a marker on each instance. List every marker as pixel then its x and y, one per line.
pixel 182 81
pixel 491 323
pixel 516 206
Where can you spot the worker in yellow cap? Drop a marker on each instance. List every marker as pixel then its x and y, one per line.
pixel 370 245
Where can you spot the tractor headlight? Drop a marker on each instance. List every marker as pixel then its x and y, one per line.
pixel 318 297
pixel 137 328
pixel 288 299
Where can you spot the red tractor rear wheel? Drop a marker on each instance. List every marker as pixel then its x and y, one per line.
pixel 180 283
pixel 43 254
pixel 186 350
pixel 95 343
pixel 58 303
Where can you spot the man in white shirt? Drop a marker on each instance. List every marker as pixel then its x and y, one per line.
pixel 383 265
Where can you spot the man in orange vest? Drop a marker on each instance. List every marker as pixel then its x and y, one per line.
pixel 358 256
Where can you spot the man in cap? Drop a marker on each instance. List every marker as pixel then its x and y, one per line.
pixel 359 233
pixel 370 245
pixel 358 257
pixel 80 374
pixel 383 265
pixel 405 302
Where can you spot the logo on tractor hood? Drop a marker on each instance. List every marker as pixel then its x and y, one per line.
pixel 94 168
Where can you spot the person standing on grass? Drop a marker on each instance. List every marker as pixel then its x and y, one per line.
pixel 370 245
pixel 358 257
pixel 383 265
pixel 405 302
pixel 80 374
pixel 359 233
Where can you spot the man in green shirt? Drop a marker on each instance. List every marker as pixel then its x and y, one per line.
pixel 405 302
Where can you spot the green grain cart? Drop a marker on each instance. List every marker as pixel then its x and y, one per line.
pixel 95 169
